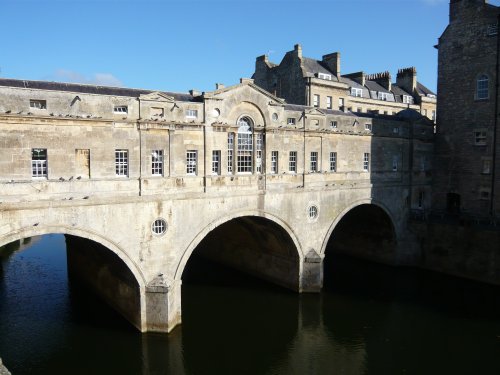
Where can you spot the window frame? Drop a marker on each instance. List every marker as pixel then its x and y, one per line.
pixel 40 104
pixel 39 164
pixel 333 161
pixel 191 113
pixel 292 162
pixel 120 109
pixel 121 163
pixel 157 162
pixel 274 162
pixel 366 162
pixel 482 87
pixel 216 162
pixel 356 92
pixel 313 161
pixel 191 162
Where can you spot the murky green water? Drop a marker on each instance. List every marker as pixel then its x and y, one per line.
pixel 369 320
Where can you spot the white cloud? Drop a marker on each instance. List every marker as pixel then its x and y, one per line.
pixel 104 79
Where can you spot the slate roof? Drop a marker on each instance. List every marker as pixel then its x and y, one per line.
pixel 422 90
pixel 398 93
pixel 89 89
pixel 374 86
pixel 313 67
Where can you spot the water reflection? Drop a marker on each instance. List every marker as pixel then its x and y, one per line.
pixel 369 320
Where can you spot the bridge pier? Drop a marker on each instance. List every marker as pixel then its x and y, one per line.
pixel 163 305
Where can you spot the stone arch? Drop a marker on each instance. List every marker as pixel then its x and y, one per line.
pixel 134 269
pixel 41 230
pixel 249 109
pixel 350 207
pixel 235 215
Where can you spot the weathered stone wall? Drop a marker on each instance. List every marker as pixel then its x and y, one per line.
pixel 467 50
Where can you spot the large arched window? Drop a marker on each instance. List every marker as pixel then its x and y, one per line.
pixel 245 145
pixel 482 87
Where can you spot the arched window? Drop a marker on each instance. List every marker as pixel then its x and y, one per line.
pixel 482 87
pixel 245 145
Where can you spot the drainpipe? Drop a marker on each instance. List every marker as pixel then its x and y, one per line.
pixel 495 126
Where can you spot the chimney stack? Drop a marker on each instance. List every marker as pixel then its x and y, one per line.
pixel 407 79
pixel 298 50
pixel 383 79
pixel 332 61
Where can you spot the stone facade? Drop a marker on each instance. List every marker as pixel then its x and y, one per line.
pixel 306 81
pixel 467 170
pixel 149 175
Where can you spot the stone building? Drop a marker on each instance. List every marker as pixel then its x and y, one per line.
pixel 466 177
pixel 236 174
pixel 306 81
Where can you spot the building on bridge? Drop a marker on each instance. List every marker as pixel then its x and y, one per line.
pixel 467 173
pixel 319 83
pixel 238 173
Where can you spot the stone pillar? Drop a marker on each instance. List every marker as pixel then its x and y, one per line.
pixel 311 280
pixel 163 305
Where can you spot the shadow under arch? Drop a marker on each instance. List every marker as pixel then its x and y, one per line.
pixel 349 208
pixel 365 229
pixel 276 226
pixel 136 317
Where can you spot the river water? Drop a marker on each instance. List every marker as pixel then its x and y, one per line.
pixel 370 319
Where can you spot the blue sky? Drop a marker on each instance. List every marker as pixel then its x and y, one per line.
pixel 181 45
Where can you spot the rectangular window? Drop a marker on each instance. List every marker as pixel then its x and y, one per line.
pixel 245 153
pixel 341 104
pixel 316 100
pixel 329 102
pixel 39 162
pixel 433 116
pixel 333 124
pixel 356 92
pixel 480 138
pixel 424 112
pixel 120 109
pixel 333 162
pixel 407 99
pixel 191 113
pixel 216 162
pixel 274 162
pixel 292 162
pixel 121 163
pixel 290 121
pixel 38 104
pixel 395 163
pixel 366 162
pixel 486 166
pixel 230 152
pixel 191 162
pixel 325 76
pixel 259 147
pixel 395 130
pixel 368 127
pixel 423 164
pixel 314 161
pixel 383 96
pixel 157 162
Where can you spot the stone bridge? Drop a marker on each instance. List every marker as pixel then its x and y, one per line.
pixel 151 178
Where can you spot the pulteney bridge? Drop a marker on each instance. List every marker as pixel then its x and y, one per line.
pixel 236 174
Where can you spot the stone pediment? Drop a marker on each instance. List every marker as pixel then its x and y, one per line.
pixel 315 111
pixel 222 93
pixel 157 96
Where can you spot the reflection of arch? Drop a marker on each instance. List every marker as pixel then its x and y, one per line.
pixel 346 210
pixel 240 214
pixel 41 230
